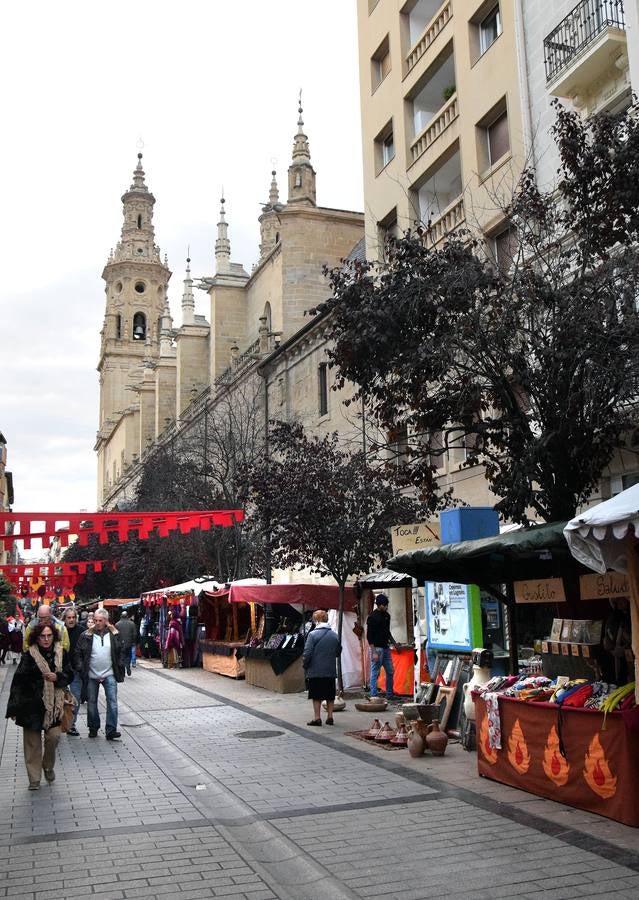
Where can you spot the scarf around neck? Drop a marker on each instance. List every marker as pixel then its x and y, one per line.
pixel 52 696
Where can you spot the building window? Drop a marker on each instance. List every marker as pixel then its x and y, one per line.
pixel 118 326
pixel 139 327
pixel 384 147
pixel 139 221
pixel 398 445
pixel 493 140
pixel 489 29
pixel 140 287
pixel 437 450
pixel 322 385
pixel 380 64
pixel 503 246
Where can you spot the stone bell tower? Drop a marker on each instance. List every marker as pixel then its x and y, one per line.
pixel 301 174
pixel 136 295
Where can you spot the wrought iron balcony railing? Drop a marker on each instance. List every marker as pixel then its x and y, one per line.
pixel 581 27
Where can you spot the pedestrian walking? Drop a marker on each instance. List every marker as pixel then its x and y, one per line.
pixel 36 700
pixel 319 660
pixel 4 640
pixel 98 658
pixel 74 630
pixel 44 615
pixel 380 640
pixel 129 634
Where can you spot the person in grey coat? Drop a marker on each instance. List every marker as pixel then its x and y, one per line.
pixel 129 634
pixel 319 659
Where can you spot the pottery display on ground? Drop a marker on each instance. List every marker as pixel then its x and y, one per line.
pixel 415 743
pixel 377 704
pixel 385 734
pixel 436 739
pixel 410 711
pixel 339 704
pixel 375 727
pixel 401 736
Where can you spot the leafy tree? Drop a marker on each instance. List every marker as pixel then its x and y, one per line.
pixel 322 507
pixel 8 598
pixel 530 360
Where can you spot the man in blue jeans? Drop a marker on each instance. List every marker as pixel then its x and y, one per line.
pixel 99 661
pixel 380 639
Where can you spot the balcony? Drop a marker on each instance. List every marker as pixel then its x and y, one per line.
pixel 452 217
pixel 439 199
pixel 436 127
pixel 584 46
pixel 425 23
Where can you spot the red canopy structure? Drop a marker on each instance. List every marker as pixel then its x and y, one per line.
pixel 312 596
pixel 62 525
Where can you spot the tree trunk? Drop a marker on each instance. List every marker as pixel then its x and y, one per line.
pixel 340 624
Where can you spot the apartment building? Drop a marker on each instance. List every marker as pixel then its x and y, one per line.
pixel 444 133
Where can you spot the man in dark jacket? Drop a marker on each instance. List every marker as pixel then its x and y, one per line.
pixel 380 640
pixel 98 658
pixel 129 634
pixel 75 631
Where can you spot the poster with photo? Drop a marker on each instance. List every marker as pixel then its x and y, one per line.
pixel 453 614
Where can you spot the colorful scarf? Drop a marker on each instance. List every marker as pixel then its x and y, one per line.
pixel 52 697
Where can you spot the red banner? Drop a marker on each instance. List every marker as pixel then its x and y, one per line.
pixel 22 526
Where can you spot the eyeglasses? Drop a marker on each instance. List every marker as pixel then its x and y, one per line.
pixel 46 637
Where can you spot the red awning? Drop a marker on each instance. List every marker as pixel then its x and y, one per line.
pixel 312 596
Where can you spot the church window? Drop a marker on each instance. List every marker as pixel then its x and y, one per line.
pixel 118 326
pixel 139 327
pixel 139 221
pixel 140 287
pixel 118 288
pixel 298 180
pixel 322 384
pixel 277 237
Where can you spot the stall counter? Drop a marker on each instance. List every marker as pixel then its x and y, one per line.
pixel 599 772
pixel 221 658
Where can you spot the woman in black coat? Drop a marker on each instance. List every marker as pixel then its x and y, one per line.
pixel 36 700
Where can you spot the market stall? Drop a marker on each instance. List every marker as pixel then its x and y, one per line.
pixel 181 603
pixel 227 629
pixel 565 727
pixel 273 655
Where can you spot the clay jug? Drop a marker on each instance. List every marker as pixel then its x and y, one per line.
pixel 375 727
pixel 481 675
pixel 401 736
pixel 385 733
pixel 436 739
pixel 415 743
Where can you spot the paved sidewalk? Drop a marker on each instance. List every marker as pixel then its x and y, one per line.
pixel 212 793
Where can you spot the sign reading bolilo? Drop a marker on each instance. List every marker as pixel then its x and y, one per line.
pixel 415 537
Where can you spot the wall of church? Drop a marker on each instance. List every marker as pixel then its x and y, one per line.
pixel 117 452
pixel 228 324
pixel 192 364
pixel 265 287
pixel 165 382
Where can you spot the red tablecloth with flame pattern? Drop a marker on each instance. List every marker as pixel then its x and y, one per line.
pixel 599 773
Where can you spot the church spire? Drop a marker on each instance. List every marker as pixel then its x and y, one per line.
pixel 301 175
pixel 166 330
pixel 188 300
pixel 138 178
pixel 273 194
pixel 222 244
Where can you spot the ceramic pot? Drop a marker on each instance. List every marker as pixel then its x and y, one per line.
pixel 401 736
pixel 415 743
pixel 481 675
pixel 385 734
pixel 436 739
pixel 339 704
pixel 375 727
pixel 421 728
pixel 373 705
pixel 400 720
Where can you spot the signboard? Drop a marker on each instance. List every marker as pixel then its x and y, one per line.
pixel 415 537
pixel 544 590
pixel 600 587
pixel 453 613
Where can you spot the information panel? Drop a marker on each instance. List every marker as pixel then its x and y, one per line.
pixel 453 613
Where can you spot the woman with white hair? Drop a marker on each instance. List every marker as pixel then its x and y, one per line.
pixel 319 659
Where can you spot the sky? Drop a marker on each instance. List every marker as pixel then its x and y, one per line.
pixel 210 89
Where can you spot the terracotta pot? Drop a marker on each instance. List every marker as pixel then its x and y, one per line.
pixel 401 736
pixel 415 743
pixel 436 739
pixel 385 734
pixel 375 727
pixel 421 728
pixel 376 705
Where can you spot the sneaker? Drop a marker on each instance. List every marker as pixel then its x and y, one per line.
pixel 73 732
pixel 113 736
pixel 34 785
pixel 93 733
pixel 49 774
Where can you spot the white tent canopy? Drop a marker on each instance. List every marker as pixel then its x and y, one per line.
pixel 597 537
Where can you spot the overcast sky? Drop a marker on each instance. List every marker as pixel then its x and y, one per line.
pixel 211 89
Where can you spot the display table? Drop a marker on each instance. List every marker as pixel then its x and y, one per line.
pixel 261 672
pixel 600 772
pixel 222 658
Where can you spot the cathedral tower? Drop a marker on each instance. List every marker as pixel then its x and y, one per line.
pixel 136 296
pixel 301 174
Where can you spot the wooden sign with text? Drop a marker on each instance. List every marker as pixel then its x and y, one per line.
pixel 545 590
pixel 415 537
pixel 600 587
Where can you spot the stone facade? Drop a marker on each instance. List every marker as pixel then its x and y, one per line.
pixel 162 388
pixel 6 498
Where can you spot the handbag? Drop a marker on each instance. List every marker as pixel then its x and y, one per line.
pixel 68 711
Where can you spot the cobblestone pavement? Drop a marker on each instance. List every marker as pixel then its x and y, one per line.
pixel 205 797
